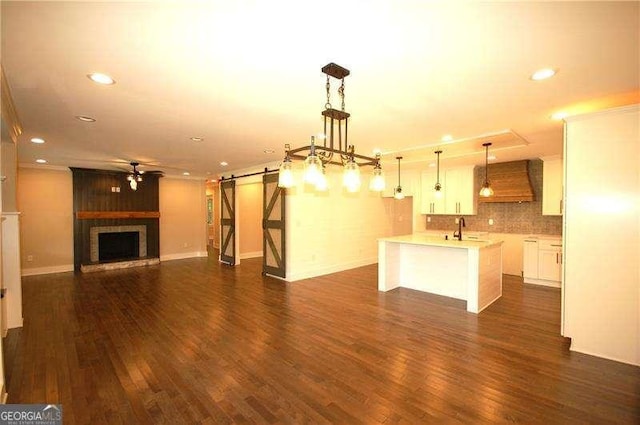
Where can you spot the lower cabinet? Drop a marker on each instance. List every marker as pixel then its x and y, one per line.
pixel 542 261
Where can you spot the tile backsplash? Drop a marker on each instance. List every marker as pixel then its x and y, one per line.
pixel 508 217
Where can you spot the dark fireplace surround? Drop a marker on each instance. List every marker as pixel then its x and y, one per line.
pixel 114 226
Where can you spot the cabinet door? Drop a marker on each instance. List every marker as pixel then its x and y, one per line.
pixel 552 202
pixel 530 259
pixel 430 203
pixel 459 191
pixel 549 265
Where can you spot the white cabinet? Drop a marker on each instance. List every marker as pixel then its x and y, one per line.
pixel 431 204
pixel 409 180
pixel 530 259
pixel 458 193
pixel 550 260
pixel 542 261
pixel 552 187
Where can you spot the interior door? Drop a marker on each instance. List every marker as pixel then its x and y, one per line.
pixel 228 222
pixel 273 227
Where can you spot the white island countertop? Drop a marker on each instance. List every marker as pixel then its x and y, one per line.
pixel 431 240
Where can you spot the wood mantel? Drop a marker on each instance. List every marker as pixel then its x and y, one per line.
pixel 82 215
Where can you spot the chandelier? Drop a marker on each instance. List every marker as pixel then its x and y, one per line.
pixel 334 148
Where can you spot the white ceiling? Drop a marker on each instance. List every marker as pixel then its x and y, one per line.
pixel 246 76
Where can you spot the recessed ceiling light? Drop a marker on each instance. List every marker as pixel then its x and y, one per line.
pixel 377 151
pixel 41 161
pixel 560 115
pixel 186 173
pixel 268 151
pixel 447 138
pixel 432 164
pixel 37 140
pixel 197 139
pixel 491 157
pixel 85 118
pixel 543 74
pixel 100 78
pixel 224 163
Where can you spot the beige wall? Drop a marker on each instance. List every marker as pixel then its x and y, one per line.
pixel 183 218
pixel 250 219
pixel 45 200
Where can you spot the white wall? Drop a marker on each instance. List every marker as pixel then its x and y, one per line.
pixel 602 234
pixel 333 231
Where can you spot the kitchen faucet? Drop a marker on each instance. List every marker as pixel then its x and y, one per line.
pixel 461 224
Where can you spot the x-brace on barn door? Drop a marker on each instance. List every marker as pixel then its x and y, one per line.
pixel 273 227
pixel 228 222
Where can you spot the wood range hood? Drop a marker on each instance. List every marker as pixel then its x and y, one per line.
pixel 510 182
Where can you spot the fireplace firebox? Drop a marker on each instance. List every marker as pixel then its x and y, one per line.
pixel 118 246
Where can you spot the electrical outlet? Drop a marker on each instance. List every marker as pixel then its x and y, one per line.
pixel 185 245
pixel 490 222
pixel 457 220
pixel 29 257
pixel 428 219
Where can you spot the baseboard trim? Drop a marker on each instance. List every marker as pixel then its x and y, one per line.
pixel 335 268
pixel 602 356
pixel 183 255
pixel 47 270
pixel 253 254
pixel 541 282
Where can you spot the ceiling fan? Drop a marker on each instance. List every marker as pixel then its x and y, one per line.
pixel 135 176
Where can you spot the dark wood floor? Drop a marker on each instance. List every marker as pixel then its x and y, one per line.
pixel 190 341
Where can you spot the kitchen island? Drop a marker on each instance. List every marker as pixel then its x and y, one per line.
pixel 468 270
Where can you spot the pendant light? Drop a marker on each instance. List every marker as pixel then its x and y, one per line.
pixel 322 184
pixel 285 176
pixel 486 190
pixel 377 184
pixel 312 165
pixel 397 192
pixel 351 173
pixel 438 187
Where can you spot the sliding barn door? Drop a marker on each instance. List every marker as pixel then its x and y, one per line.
pixel 273 235
pixel 228 222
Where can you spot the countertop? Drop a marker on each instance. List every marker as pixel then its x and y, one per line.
pixel 430 240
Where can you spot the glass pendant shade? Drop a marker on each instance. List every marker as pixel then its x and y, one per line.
pixel 398 193
pixel 133 183
pixel 351 176
pixel 377 184
pixel 322 184
pixel 437 191
pixel 486 190
pixel 285 177
pixel 312 169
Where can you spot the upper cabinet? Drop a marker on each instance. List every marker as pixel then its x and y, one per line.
pixel 552 187
pixel 409 180
pixel 458 192
pixel 430 203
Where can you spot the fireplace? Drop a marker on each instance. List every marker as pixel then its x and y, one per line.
pixel 112 243
pixel 118 246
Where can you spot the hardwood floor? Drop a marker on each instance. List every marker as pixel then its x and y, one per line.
pixel 191 341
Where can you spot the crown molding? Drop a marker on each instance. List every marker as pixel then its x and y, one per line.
pixel 9 114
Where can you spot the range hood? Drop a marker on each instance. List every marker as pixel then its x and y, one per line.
pixel 510 182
